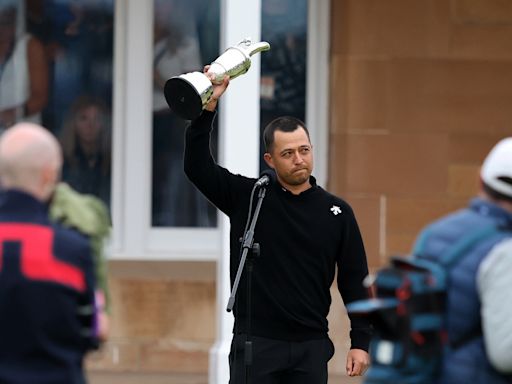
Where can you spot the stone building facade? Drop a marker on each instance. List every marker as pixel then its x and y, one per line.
pixel 420 90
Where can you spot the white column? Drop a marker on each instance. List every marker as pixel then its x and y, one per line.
pixel 239 152
pixel 132 122
pixel 317 101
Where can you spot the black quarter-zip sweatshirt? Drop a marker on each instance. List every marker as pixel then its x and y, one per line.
pixel 303 240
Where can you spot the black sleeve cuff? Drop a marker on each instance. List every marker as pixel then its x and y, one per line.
pixel 360 339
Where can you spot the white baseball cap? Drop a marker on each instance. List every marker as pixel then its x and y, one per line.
pixel 496 170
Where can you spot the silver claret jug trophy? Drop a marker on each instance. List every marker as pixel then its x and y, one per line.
pixel 188 94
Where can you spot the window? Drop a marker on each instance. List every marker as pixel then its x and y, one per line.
pixel 56 70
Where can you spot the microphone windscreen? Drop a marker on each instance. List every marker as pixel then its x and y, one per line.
pixel 271 174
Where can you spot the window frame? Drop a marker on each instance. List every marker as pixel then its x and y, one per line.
pixel 133 237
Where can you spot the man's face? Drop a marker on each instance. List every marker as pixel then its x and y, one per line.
pixel 291 157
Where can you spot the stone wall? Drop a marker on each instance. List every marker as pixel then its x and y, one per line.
pixel 420 91
pixel 163 319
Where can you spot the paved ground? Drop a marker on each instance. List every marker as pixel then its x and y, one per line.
pixel 136 378
pixel 127 378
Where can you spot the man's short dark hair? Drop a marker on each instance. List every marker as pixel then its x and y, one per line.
pixel 283 124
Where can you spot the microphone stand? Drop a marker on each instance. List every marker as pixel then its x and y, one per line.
pixel 248 244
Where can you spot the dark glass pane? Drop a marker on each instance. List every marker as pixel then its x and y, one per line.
pixel 56 70
pixel 283 68
pixel 186 38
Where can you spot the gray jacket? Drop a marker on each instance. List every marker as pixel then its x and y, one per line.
pixel 495 291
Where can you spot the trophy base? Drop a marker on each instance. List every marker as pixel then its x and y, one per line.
pixel 183 98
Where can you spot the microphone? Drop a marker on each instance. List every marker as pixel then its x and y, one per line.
pixel 267 177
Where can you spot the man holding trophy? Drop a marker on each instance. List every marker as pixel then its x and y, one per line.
pixel 305 235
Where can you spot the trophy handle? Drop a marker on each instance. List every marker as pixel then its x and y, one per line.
pixel 251 48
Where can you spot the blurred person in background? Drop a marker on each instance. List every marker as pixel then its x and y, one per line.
pixel 478 315
pixel 23 68
pixel 86 143
pixel 48 321
pixel 88 215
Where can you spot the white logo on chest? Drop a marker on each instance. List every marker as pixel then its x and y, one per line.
pixel 335 210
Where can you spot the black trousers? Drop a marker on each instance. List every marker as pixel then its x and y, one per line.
pixel 280 362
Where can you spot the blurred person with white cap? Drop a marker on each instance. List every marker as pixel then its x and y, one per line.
pixel 493 279
pixel 478 314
